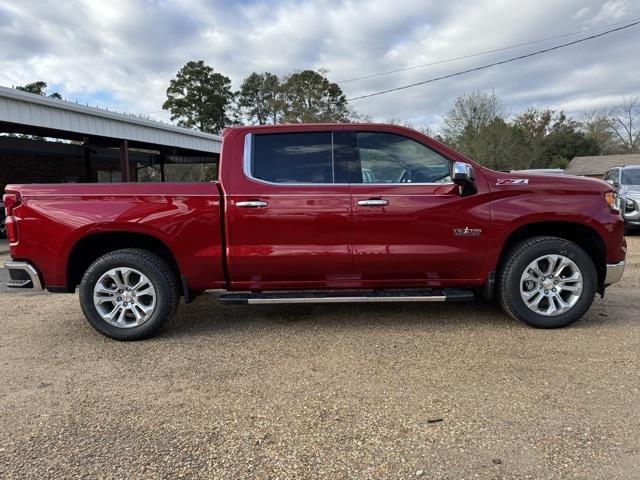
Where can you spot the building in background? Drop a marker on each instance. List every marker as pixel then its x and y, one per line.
pixel 46 140
pixel 596 166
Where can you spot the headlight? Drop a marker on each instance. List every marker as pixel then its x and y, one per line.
pixel 630 206
pixel 613 200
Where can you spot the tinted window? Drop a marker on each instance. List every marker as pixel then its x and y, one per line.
pixel 631 176
pixel 391 158
pixel 293 157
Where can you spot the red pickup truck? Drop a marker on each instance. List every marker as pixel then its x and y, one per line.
pixel 321 213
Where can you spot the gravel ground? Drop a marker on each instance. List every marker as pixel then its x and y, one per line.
pixel 332 391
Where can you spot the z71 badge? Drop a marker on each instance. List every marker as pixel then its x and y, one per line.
pixel 512 181
pixel 467 232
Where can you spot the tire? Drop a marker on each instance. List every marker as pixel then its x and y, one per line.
pixel 155 303
pixel 520 258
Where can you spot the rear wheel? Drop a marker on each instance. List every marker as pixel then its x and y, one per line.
pixel 547 282
pixel 128 294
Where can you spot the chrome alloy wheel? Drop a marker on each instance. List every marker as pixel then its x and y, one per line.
pixel 551 285
pixel 124 297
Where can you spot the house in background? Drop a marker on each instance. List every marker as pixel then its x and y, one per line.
pixel 597 166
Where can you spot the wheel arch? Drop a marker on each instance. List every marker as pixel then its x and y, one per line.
pixel 91 247
pixel 582 235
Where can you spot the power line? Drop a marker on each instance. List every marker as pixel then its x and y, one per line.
pixel 484 67
pixel 484 52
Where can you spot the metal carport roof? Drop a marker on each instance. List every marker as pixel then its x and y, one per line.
pixel 22 108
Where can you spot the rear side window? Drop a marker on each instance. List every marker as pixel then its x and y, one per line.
pixel 293 157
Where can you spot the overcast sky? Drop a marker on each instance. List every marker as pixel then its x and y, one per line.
pixel 121 54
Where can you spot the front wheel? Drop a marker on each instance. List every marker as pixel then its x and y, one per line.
pixel 547 282
pixel 128 294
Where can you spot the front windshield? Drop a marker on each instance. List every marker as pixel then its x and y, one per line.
pixel 631 176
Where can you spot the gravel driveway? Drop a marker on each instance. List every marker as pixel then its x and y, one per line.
pixel 330 391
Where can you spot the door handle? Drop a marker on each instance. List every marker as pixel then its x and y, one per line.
pixel 373 202
pixel 252 204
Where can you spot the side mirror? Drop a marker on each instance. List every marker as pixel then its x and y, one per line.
pixel 464 175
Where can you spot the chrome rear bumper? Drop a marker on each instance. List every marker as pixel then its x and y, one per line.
pixel 22 275
pixel 614 272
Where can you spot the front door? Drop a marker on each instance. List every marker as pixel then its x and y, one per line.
pixel 411 227
pixel 289 212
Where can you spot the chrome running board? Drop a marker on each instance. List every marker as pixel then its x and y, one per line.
pixel 351 296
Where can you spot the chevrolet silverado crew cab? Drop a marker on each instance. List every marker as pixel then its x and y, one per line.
pixel 321 213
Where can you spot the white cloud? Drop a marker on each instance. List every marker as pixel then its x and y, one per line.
pixel 581 13
pixel 122 53
pixel 611 11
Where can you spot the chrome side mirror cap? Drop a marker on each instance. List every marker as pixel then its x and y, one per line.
pixel 464 175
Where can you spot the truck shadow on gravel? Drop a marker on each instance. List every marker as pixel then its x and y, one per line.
pixel 206 316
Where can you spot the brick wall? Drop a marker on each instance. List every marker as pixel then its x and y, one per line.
pixel 54 169
pixel 24 160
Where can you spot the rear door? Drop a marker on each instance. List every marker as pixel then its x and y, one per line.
pixel 410 224
pixel 289 211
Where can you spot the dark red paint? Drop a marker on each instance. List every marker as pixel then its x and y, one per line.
pixel 312 236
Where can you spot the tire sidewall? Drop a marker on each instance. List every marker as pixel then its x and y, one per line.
pixel 164 306
pixel 551 247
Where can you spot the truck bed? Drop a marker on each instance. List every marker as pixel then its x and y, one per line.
pixel 56 221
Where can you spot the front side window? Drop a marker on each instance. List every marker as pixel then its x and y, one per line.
pixel 614 175
pixel 391 158
pixel 305 157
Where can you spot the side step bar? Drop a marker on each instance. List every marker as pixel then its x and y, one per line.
pixel 352 296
